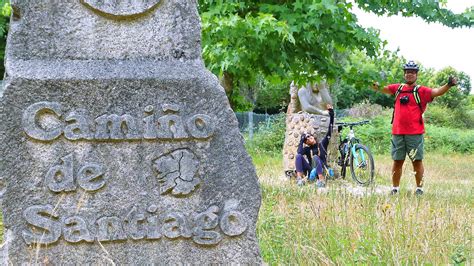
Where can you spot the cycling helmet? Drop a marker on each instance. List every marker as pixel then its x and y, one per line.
pixel 411 65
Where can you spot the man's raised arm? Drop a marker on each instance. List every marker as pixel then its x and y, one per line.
pixel 442 90
pixel 376 87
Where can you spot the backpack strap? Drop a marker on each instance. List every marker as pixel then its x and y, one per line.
pixel 399 90
pixel 395 102
pixel 416 95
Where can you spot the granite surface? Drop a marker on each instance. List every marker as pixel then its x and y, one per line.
pixel 117 145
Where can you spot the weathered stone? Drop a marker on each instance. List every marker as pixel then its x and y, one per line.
pixel 117 145
pixel 121 9
pixel 307 117
pixel 293 135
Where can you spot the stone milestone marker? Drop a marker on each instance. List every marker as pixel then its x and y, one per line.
pixel 117 145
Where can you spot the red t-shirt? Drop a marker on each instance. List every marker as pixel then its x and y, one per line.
pixel 406 120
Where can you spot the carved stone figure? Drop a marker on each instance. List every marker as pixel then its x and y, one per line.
pixel 114 140
pixel 306 113
pixel 311 98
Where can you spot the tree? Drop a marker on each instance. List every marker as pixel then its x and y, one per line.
pixel 272 96
pixel 456 97
pixel 361 70
pixel 5 11
pixel 300 40
pixel 292 39
pixel 453 109
pixel 428 10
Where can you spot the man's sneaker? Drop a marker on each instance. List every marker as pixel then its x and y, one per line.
pixel 300 182
pixel 320 184
pixel 394 192
pixel 418 192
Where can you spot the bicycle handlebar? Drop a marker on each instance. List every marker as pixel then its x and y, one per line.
pixel 350 124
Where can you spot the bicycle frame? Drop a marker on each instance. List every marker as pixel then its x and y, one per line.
pixel 353 143
pixel 350 148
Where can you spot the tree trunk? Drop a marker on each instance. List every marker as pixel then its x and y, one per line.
pixel 227 81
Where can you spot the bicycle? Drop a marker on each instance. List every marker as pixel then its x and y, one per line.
pixel 355 155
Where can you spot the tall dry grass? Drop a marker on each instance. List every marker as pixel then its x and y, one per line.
pixel 301 225
pixel 306 226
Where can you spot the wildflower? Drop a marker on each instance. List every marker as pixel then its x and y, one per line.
pixel 386 207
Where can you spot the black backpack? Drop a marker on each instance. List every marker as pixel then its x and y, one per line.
pixel 416 95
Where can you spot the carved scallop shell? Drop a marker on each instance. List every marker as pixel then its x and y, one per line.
pixel 121 8
pixel 177 172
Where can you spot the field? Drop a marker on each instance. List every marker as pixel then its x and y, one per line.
pixel 306 226
pixel 301 225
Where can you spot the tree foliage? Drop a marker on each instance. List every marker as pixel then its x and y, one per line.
pixel 261 46
pixel 361 70
pixel 291 39
pixel 264 96
pixel 5 11
pixel 453 108
pixel 456 96
pixel 302 40
pixel 428 10
pixel 299 37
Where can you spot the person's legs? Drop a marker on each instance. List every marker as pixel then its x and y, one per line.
pixel 415 147
pixel 318 165
pixel 399 152
pixel 419 171
pixel 397 172
pixel 302 166
pixel 398 156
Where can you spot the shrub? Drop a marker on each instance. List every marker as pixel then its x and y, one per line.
pixel 268 138
pixel 442 116
pixel 365 110
pixel 445 140
pixel 375 135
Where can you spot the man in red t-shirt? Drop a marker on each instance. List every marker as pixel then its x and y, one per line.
pixel 408 126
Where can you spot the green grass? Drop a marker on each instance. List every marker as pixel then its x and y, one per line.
pixel 301 226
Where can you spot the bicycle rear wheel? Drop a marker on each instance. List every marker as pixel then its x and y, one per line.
pixel 362 165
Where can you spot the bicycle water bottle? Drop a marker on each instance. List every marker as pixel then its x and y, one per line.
pixel 312 175
pixel 331 172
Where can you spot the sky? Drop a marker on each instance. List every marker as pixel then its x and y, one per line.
pixel 433 45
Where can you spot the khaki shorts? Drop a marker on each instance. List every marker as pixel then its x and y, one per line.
pixel 411 145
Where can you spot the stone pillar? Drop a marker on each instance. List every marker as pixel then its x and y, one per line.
pixel 296 125
pixel 298 122
pixel 117 145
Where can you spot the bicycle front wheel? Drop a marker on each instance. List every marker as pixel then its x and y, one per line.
pixel 362 165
